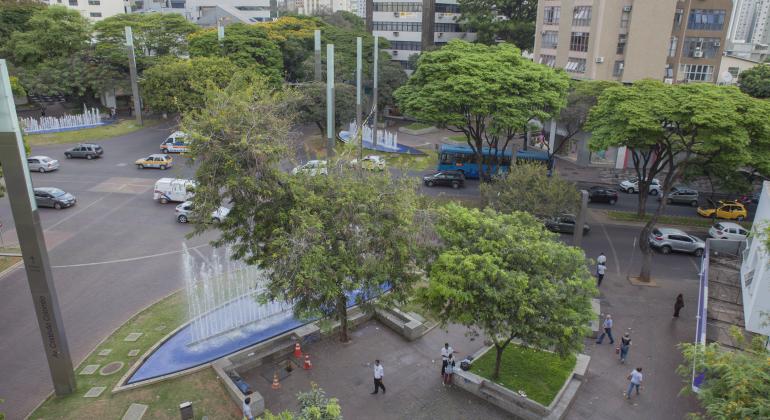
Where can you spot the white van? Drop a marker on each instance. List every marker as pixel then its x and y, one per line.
pixel 177 142
pixel 173 189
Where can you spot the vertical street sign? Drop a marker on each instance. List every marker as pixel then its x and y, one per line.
pixel 132 72
pixel 330 100
pixel 30 233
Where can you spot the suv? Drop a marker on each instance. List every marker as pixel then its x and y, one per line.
pixel 667 240
pixel 681 195
pixel 183 213
pixel 632 185
pixel 85 150
pixel 602 195
pixel 565 224
pixel 728 230
pixel 455 179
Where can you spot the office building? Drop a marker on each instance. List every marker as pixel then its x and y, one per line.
pixel 749 34
pixel 94 10
pixel 209 12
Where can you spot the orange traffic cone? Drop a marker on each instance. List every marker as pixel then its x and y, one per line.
pixel 276 384
pixel 297 351
pixel 307 365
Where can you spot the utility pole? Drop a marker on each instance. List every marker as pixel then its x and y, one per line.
pixel 318 55
pixel 30 232
pixel 374 90
pixel 359 122
pixel 577 236
pixel 330 100
pixel 132 71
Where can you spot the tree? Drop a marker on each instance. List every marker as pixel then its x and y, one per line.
pixel 527 187
pixel 312 108
pixel 501 20
pixel 313 405
pixel 487 93
pixel 54 32
pixel 505 275
pixel 17 89
pixel 14 17
pixel 294 35
pixel 668 128
pixel 247 46
pixel 756 81
pixel 78 76
pixel 737 383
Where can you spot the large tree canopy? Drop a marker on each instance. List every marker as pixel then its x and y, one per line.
pixel 54 32
pixel 14 17
pixel 312 107
pixel 756 81
pixel 501 20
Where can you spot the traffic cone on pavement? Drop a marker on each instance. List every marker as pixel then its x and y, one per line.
pixel 307 365
pixel 297 351
pixel 276 384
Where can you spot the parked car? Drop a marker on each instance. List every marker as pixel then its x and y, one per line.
pixel 84 150
pixel 155 161
pixel 454 179
pixel 565 224
pixel 177 142
pixel 732 210
pixel 728 230
pixel 53 197
pixel 602 195
pixel 371 162
pixel 312 168
pixel 172 189
pixel 668 239
pixel 632 186
pixel 183 213
pixel 42 164
pixel 681 195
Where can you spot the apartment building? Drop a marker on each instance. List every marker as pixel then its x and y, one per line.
pixel 209 12
pixel 95 9
pixel 749 33
pixel 671 40
pixel 403 23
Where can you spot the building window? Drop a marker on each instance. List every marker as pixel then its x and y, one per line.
pixel 672 46
pixel 548 60
pixel 625 17
pixel 576 65
pixel 73 2
pixel 696 72
pixel 617 69
pixel 406 45
pixel 733 71
pixel 399 7
pixel 397 26
pixel 581 16
pixel 678 18
pixel 551 15
pixel 406 65
pixel 95 14
pixel 94 2
pixel 444 8
pixel 669 72
pixel 446 27
pixel 701 47
pixel 622 43
pixel 550 39
pixel 579 41
pixel 706 19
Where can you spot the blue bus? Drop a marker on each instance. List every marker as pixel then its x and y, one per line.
pixel 462 158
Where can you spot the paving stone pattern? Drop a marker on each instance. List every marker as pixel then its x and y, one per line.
pixel 135 412
pixel 89 369
pixel 133 353
pixel 105 352
pixel 132 337
pixel 94 392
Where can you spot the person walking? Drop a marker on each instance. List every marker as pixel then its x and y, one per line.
pixel 636 381
pixel 378 374
pixel 625 344
pixel 601 259
pixel 607 325
pixel 678 305
pixel 600 269
pixel 247 409
pixel 446 351
pixel 449 370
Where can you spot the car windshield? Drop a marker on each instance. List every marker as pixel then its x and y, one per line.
pixel 56 192
pixel 657 232
pixel 719 226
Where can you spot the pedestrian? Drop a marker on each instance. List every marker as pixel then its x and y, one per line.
pixel 600 269
pixel 247 409
pixel 625 343
pixel 678 305
pixel 446 351
pixel 378 374
pixel 607 325
pixel 113 113
pixel 129 110
pixel 601 259
pixel 636 381
pixel 42 112
pixel 449 370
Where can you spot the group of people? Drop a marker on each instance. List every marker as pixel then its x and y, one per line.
pixel 447 369
pixel 625 341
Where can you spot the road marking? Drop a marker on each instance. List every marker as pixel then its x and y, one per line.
pixel 80 210
pixel 122 260
pixel 122 164
pixel 612 249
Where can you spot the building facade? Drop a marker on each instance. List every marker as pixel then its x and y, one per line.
pixel 755 270
pixel 209 12
pixel 629 40
pixel 749 33
pixel 95 10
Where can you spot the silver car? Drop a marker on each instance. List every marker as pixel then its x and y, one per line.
pixel 42 164
pixel 667 240
pixel 53 197
pixel 681 195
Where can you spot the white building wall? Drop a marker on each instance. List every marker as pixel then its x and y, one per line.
pixel 755 270
pixel 94 10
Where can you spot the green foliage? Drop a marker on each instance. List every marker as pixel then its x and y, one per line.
pixel 488 93
pixel 737 383
pixel 77 75
pixel 54 32
pixel 527 187
pixel 17 89
pixel 756 81
pixel 294 35
pixel 505 275
pixel 313 405
pixel 582 96
pixel 247 46
pixel 14 17
pixel 312 108
pixel 178 85
pixel 507 20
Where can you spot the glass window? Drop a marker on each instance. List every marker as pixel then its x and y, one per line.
pixel 94 2
pixel 625 17
pixel 95 14
pixel 548 60
pixel 621 43
pixel 399 7
pixel 550 39
pixel 551 15
pixel 678 18
pixel 581 16
pixel 701 47
pixel 617 69
pixel 579 41
pixel 706 19
pixel 406 45
pixel 672 46
pixel 733 71
pixel 696 72
pixel 446 27
pixel 397 26
pixel 669 71
pixel 73 2
pixel 576 65
pixel 444 7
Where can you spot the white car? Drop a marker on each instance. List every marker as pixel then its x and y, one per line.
pixel 183 213
pixel 632 186
pixel 312 168
pixel 42 164
pixel 728 230
pixel 370 162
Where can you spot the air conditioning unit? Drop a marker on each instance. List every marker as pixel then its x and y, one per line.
pixel 395 33
pixel 626 8
pixel 697 54
pixel 396 14
pixel 717 44
pixel 599 59
pixel 395 52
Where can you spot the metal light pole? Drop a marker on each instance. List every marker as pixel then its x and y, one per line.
pixel 132 71
pixel 330 100
pixel 577 237
pixel 359 123
pixel 33 250
pixel 374 91
pixel 317 55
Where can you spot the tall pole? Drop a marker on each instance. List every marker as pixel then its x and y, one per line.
pixel 220 30
pixel 577 236
pixel 317 55
pixel 359 123
pixel 33 250
pixel 132 72
pixel 330 100
pixel 374 90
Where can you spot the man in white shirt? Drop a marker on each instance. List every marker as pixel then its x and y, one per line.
pixel 247 409
pixel 636 381
pixel 378 374
pixel 445 352
pixel 607 325
pixel 602 259
pixel 600 269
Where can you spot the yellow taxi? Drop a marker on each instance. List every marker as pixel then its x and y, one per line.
pixel 732 210
pixel 155 161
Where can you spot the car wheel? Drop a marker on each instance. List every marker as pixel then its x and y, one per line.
pixel 163 167
pixel 164 150
pixel 694 203
pixel 665 249
pixel 57 206
pixel 182 218
pixel 740 218
pixel 631 190
pixel 455 185
pixel 698 252
pixel 163 200
pixel 89 157
pixel 139 166
pixel 41 170
pixel 68 156
pixel 669 201
pixel 654 192
pixel 612 201
pixel 429 183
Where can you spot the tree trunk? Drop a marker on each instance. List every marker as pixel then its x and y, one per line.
pixel 342 316
pixel 498 360
pixel 644 239
pixel 642 209
pixel 321 128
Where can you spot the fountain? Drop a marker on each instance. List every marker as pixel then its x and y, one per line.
pixel 88 119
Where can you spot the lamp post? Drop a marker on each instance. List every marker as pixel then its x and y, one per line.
pixel 330 100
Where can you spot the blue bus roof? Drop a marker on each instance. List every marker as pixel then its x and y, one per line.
pixel 532 155
pixel 446 148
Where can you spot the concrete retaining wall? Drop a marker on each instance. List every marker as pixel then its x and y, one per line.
pixel 407 324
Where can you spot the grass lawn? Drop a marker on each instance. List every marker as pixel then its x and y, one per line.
pixel 418 126
pixel 695 221
pixel 6 262
pixel 540 374
pixel 458 138
pixel 77 136
pixel 201 388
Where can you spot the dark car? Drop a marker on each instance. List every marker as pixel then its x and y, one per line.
pixel 454 179
pixel 53 197
pixel 84 150
pixel 602 195
pixel 565 224
pixel 681 195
